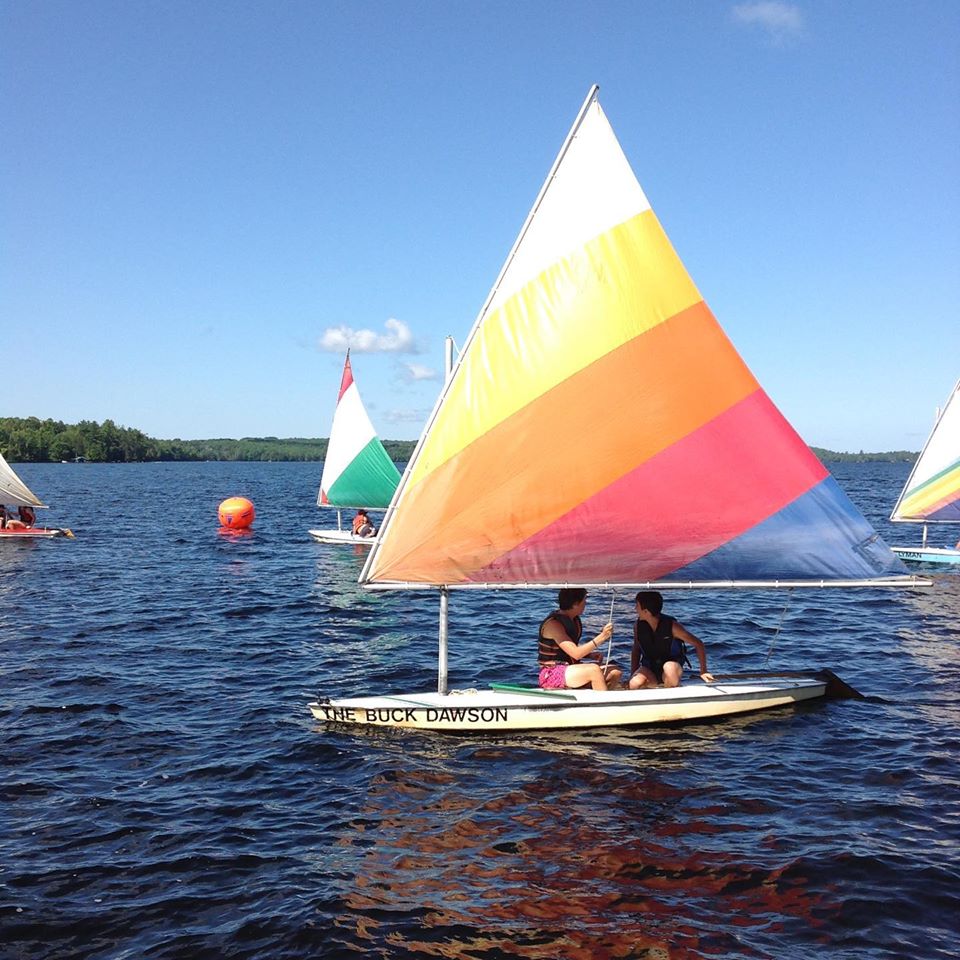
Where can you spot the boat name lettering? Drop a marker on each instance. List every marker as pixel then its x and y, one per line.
pixel 467 714
pixel 339 714
pixel 390 715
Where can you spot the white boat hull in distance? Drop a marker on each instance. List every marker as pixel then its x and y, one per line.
pixel 506 708
pixel 340 536
pixel 34 533
pixel 928 554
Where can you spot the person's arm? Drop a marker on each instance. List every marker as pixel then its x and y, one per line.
pixel 635 653
pixel 555 631
pixel 687 637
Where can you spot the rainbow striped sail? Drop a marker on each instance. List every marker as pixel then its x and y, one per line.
pixel 932 491
pixel 600 428
pixel 357 471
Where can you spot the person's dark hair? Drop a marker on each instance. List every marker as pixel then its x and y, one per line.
pixel 568 596
pixel 650 600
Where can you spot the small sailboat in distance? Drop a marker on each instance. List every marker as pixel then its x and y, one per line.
pixel 357 470
pixel 599 430
pixel 931 494
pixel 15 493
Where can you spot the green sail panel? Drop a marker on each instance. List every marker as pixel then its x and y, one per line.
pixel 368 481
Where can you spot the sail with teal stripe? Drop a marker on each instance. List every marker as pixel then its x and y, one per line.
pixel 932 491
pixel 357 470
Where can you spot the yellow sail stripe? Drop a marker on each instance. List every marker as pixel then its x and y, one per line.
pixel 931 496
pixel 619 285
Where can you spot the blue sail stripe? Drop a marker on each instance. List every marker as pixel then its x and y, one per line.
pixel 821 535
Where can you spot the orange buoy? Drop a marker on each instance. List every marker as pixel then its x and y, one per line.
pixel 236 513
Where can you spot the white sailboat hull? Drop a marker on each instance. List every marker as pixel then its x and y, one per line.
pixel 340 536
pixel 501 710
pixel 928 554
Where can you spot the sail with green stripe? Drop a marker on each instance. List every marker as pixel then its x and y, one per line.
pixel 357 471
pixel 932 491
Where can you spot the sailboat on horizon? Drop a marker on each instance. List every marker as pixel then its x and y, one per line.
pixel 931 494
pixel 357 470
pixel 15 493
pixel 599 430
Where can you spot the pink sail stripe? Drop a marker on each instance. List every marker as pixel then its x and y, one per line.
pixel 669 512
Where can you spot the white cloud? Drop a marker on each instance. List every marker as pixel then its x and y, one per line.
pixel 414 372
pixel 397 339
pixel 396 416
pixel 780 20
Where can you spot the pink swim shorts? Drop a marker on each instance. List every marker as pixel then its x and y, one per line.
pixel 552 678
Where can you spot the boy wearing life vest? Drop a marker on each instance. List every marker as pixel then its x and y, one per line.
pixel 658 646
pixel 561 654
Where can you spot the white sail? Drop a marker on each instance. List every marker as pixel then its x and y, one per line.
pixel 357 470
pixel 13 491
pixel 932 491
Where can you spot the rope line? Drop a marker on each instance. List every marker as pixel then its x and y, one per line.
pixel 613 597
pixel 776 633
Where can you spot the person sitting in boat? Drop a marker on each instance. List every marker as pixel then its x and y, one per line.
pixel 3 517
pixel 26 518
pixel 362 527
pixel 658 646
pixel 561 654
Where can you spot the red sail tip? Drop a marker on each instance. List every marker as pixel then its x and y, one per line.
pixel 347 381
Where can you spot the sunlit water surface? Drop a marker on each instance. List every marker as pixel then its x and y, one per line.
pixel 166 793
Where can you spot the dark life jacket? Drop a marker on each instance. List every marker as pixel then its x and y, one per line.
pixel 659 646
pixel 548 650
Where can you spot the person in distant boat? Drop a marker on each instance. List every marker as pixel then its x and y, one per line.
pixel 658 646
pixel 561 654
pixel 26 518
pixel 362 527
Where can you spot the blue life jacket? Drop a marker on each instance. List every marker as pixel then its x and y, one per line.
pixel 659 646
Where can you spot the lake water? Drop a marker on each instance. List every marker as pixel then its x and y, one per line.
pixel 166 793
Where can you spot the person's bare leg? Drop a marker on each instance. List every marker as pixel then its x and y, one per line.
pixel 672 674
pixel 580 674
pixel 644 677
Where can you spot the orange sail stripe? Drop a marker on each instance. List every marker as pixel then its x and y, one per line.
pixel 477 518
pixel 616 287
pixel 697 495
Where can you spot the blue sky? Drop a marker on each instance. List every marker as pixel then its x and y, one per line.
pixel 200 202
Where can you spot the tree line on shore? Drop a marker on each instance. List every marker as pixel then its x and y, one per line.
pixel 30 440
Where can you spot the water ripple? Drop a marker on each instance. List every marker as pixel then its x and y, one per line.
pixel 167 795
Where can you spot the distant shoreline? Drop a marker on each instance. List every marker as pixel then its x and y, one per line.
pixel 30 440
pixel 890 456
